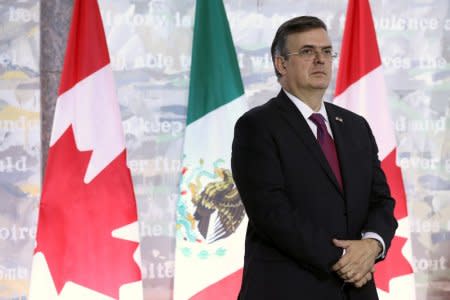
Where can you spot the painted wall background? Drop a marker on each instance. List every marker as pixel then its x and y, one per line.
pixel 20 143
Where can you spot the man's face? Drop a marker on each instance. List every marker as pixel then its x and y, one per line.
pixel 310 70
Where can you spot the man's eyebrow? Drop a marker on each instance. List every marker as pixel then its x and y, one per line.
pixel 314 46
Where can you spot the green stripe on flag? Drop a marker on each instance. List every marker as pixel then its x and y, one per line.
pixel 215 76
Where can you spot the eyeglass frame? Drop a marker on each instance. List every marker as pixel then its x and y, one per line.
pixel 315 52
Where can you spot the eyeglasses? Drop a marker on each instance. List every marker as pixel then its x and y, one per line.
pixel 309 53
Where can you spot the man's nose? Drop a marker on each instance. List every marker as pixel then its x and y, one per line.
pixel 319 57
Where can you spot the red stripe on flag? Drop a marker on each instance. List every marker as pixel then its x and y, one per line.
pixel 359 52
pixel 395 180
pixel 86 50
pixel 225 289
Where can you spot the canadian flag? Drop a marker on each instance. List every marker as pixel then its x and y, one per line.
pixel 87 237
pixel 361 88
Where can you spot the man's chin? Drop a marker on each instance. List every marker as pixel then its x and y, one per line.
pixel 320 81
pixel 320 85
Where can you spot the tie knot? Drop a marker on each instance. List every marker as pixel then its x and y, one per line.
pixel 318 119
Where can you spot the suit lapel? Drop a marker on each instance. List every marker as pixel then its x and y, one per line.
pixel 296 120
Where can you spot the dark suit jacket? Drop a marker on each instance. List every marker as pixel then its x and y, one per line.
pixel 294 203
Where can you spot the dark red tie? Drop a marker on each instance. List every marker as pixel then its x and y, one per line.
pixel 327 144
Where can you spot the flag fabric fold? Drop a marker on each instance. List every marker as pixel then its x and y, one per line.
pixel 87 244
pixel 211 221
pixel 361 88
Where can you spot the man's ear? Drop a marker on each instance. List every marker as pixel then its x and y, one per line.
pixel 280 64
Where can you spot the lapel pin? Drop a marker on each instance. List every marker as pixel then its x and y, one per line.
pixel 339 119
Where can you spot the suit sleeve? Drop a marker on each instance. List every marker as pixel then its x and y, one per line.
pixel 381 218
pixel 258 176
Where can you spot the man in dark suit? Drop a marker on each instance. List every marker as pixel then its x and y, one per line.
pixel 320 211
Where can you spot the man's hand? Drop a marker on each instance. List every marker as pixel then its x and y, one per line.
pixel 365 279
pixel 357 264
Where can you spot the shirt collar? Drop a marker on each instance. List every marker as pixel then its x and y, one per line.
pixel 305 110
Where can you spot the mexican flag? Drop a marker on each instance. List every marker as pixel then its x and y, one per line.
pixel 361 88
pixel 211 221
pixel 87 237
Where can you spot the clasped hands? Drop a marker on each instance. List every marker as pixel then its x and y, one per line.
pixel 356 266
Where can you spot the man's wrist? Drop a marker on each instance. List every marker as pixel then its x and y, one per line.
pixel 376 246
pixel 375 236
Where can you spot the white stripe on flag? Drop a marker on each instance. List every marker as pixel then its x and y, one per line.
pixel 209 138
pixel 199 273
pixel 91 108
pixel 367 97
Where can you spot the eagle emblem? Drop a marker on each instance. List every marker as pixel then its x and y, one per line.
pixel 216 208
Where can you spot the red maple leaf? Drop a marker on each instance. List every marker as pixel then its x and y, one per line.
pixel 394 265
pixel 76 221
pixel 395 180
